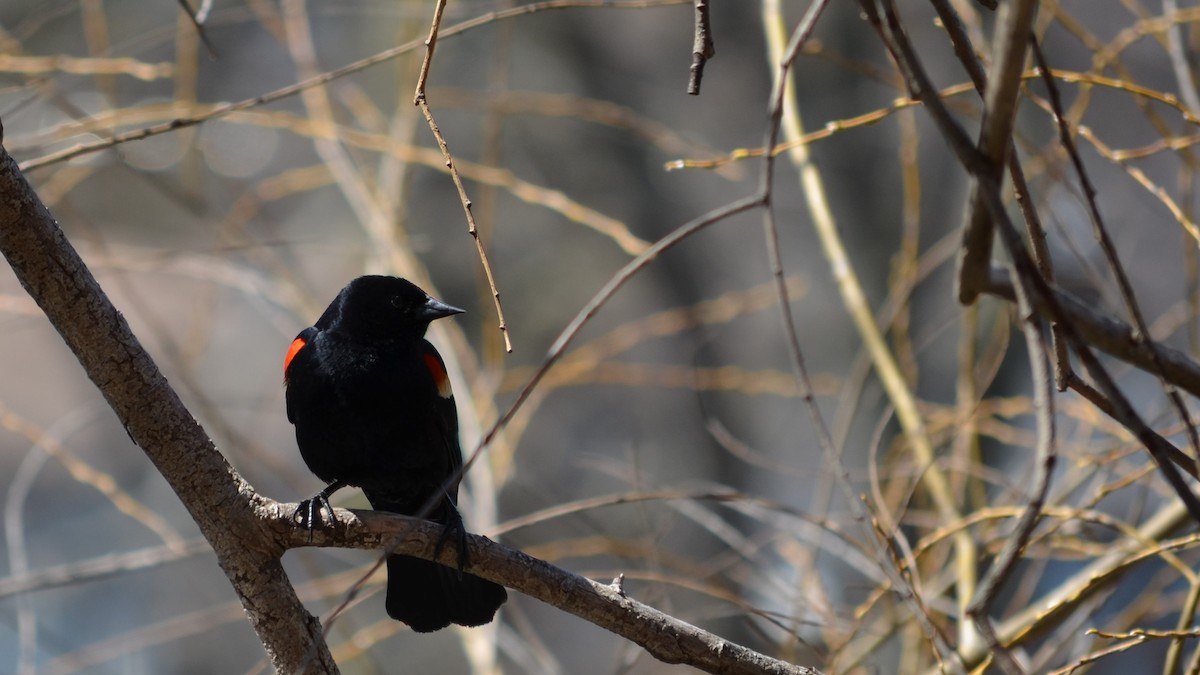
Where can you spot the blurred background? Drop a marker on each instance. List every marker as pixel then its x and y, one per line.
pixel 220 241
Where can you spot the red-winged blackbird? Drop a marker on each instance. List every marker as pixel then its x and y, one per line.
pixel 373 408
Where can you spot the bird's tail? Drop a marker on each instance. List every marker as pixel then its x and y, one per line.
pixel 428 596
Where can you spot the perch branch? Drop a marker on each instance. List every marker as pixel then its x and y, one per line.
pixel 666 638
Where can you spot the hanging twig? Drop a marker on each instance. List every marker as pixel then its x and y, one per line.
pixel 702 47
pixel 420 100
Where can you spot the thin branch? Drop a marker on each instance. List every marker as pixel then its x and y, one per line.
pixel 430 43
pixel 1045 458
pixel 1179 59
pixel 420 99
pixel 197 19
pixel 965 51
pixel 502 325
pixel 325 78
pixel 99 568
pixel 1014 21
pixel 1141 332
pixel 956 30
pixel 1109 334
pixel 1041 292
pixel 1032 285
pixel 1179 457
pixel 785 116
pixel 702 47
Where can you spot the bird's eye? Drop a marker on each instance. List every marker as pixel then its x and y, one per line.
pixel 396 302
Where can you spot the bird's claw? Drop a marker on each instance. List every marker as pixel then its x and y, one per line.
pixel 309 511
pixel 454 527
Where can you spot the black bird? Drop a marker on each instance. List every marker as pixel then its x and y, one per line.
pixel 373 408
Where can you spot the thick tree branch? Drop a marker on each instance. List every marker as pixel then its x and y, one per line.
pixel 214 494
pixel 666 638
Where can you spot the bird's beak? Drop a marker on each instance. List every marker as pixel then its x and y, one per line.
pixel 436 309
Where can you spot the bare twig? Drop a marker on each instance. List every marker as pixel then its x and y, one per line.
pixel 1013 24
pixel 1179 457
pixel 430 45
pixel 1033 222
pixel 975 164
pixel 324 78
pixel 1179 59
pixel 420 100
pixel 1110 335
pixel 702 47
pixel 1032 284
pixel 984 164
pixel 99 567
pixel 956 30
pixel 1141 331
pixel 197 19
pixel 1043 469
pixel 835 127
pixel 785 114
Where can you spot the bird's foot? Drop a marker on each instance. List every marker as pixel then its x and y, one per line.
pixel 453 527
pixel 309 510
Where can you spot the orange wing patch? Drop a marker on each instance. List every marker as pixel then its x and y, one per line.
pixel 434 364
pixel 297 345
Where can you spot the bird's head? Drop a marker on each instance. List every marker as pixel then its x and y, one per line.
pixel 381 308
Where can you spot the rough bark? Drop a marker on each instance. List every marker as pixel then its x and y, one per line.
pixel 608 606
pixel 221 503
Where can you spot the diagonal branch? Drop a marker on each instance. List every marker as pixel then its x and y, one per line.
pixel 1110 335
pixel 217 498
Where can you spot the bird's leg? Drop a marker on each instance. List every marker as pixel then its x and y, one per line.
pixel 452 523
pixel 310 509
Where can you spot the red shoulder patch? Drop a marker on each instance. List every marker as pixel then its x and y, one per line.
pixel 297 344
pixel 438 371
